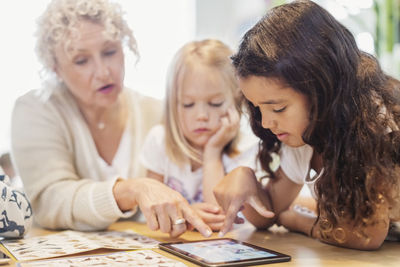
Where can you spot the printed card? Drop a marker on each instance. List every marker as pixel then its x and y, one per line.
pixel 72 242
pixel 132 258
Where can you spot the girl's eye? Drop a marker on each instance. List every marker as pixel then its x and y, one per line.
pixel 189 105
pixel 279 110
pixel 216 104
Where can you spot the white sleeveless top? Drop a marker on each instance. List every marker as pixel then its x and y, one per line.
pixel 120 164
pixel 295 163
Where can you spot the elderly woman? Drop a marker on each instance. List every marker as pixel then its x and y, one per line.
pixel 75 142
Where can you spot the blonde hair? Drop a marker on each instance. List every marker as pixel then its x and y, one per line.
pixel 59 22
pixel 210 53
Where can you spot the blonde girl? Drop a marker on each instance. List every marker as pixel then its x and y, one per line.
pixel 198 141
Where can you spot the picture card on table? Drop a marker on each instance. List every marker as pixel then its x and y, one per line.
pixel 131 258
pixel 73 242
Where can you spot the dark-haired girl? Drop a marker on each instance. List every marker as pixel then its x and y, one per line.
pixel 331 114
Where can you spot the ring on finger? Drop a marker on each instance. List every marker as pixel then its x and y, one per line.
pixel 179 221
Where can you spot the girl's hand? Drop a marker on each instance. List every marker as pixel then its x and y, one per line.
pixel 211 214
pixel 238 187
pixel 230 124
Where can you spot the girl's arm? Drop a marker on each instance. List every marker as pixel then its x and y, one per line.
pixel 240 190
pixel 278 196
pixel 344 234
pixel 155 176
pixel 213 172
pixel 283 191
pixel 213 168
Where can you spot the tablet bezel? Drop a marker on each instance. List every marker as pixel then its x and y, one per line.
pixel 280 257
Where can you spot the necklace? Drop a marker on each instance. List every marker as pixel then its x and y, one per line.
pixel 101 125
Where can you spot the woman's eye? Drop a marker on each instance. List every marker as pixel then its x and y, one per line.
pixel 110 52
pixel 279 110
pixel 80 61
pixel 188 105
pixel 216 104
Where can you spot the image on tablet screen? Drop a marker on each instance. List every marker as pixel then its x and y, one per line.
pixel 222 251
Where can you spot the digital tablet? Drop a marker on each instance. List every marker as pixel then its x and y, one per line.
pixel 223 252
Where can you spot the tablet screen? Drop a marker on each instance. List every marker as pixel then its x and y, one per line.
pixel 223 251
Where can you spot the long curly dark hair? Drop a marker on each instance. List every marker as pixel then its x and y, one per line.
pixel 354 112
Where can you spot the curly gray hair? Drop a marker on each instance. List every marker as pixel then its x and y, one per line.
pixel 59 23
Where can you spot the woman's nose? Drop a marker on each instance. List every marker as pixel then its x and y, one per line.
pixel 102 71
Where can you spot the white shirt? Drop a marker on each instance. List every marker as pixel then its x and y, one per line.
pixel 181 178
pixel 295 163
pixel 120 164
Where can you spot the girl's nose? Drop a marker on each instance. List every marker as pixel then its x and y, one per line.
pixel 268 123
pixel 202 113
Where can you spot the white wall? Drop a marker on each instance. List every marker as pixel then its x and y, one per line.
pixel 227 20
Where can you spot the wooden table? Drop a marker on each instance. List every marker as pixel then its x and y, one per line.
pixel 304 250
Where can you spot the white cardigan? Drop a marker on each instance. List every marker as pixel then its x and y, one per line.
pixel 56 157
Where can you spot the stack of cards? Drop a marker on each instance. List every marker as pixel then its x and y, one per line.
pixel 68 243
pixel 132 258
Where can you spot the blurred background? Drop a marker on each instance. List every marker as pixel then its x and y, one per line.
pixel 162 27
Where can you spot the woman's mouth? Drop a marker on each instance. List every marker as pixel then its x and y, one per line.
pixel 106 89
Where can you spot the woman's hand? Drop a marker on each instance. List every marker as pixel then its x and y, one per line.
pixel 230 124
pixel 164 208
pixel 211 214
pixel 237 188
